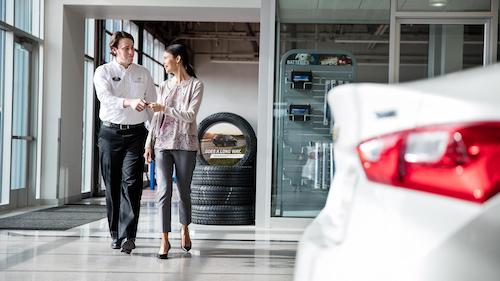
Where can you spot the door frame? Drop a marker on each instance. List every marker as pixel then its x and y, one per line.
pixel 10 197
pixel 25 197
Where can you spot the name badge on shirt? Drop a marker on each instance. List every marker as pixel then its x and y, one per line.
pixel 138 80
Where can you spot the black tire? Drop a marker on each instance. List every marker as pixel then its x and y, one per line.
pixel 219 209
pixel 228 201
pixel 223 215
pixel 221 199
pixel 208 221
pixel 215 216
pixel 212 189
pixel 221 195
pixel 222 180
pixel 208 170
pixel 240 123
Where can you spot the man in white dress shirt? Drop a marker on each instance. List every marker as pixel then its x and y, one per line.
pixel 124 90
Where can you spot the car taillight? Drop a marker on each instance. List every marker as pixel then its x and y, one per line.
pixel 458 160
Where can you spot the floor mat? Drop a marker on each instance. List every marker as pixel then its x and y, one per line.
pixel 57 218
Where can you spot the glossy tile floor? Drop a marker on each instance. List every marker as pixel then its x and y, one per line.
pixel 83 253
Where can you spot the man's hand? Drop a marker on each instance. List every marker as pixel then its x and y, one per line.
pixel 136 104
pixel 156 107
pixel 148 155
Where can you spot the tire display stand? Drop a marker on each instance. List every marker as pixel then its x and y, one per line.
pixel 223 186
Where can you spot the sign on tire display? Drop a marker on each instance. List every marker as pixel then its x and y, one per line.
pixel 226 139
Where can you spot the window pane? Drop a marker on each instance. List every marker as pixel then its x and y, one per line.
pixel 134 30
pixel 429 50
pixel 156 49
pixel 20 117
pixel 23 14
pixel 126 26
pixel 145 41
pixel 160 54
pixel 147 63
pixel 2 17
pixel 107 56
pixel 154 71
pixel 148 43
pixel 109 25
pixel 88 105
pixel 2 55
pixel 117 25
pixel 36 17
pixel 159 71
pixel 444 5
pixel 151 44
pixel 89 37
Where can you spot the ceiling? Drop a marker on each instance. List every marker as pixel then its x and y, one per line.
pixel 365 11
pixel 236 41
pixel 414 5
pixel 222 41
pixel 361 26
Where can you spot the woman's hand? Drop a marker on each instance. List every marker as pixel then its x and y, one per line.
pixel 148 155
pixel 156 107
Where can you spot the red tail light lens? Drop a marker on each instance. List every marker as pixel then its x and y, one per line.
pixel 452 160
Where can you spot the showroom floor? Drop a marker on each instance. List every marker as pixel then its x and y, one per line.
pixel 84 253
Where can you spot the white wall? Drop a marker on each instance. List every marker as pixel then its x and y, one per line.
pixel 62 105
pixel 70 160
pixel 229 87
pixel 51 110
pixel 265 111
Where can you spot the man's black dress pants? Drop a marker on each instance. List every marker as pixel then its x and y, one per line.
pixel 122 165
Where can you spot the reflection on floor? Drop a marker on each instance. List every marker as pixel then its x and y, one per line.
pixel 84 253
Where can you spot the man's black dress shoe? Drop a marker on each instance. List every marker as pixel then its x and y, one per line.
pixel 128 246
pixel 116 243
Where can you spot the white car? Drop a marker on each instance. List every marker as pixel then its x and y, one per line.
pixel 415 194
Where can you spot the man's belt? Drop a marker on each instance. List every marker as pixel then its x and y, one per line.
pixel 121 126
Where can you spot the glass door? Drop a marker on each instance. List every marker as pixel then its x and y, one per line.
pixel 23 113
pixel 434 49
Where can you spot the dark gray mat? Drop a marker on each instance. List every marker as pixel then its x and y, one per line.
pixel 58 218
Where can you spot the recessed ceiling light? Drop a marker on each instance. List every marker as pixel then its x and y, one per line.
pixel 438 3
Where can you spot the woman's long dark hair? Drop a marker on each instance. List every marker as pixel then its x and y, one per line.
pixel 182 51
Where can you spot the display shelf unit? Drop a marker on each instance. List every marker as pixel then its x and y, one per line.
pixel 303 149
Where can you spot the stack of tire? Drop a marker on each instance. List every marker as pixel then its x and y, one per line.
pixel 222 194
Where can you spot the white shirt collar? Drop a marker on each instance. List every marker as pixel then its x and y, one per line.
pixel 113 61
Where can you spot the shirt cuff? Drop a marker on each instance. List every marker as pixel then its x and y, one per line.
pixel 120 102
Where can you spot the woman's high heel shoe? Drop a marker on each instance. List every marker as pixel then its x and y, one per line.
pixel 184 246
pixel 165 255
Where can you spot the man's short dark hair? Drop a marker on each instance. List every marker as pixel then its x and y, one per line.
pixel 115 39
